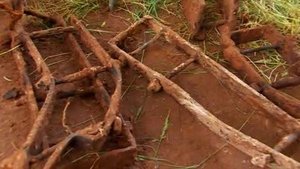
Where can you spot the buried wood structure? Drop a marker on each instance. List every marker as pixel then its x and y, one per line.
pixel 286 46
pixel 261 154
pixel 91 138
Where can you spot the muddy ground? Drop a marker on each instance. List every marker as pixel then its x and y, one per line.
pixel 186 143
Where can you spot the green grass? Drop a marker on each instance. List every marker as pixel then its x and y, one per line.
pixel 269 63
pixel 140 110
pixel 159 140
pixel 163 133
pixel 139 8
pixel 211 11
pixel 284 14
pixel 80 8
pixel 139 113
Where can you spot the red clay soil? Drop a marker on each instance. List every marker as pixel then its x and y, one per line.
pixel 187 143
pixel 14 113
pixel 15 123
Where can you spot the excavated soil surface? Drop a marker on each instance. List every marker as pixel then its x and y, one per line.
pixel 186 142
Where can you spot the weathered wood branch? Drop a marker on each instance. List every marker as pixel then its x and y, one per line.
pixel 51 32
pixel 84 73
pixel 180 67
pixel 286 82
pixel 139 49
pixel 35 138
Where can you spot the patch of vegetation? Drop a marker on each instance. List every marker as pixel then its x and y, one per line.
pixel 80 8
pixel 163 133
pixel 139 8
pixel 269 63
pixel 284 14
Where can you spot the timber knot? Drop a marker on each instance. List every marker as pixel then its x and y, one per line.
pixel 154 86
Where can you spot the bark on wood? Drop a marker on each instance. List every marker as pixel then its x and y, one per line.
pixel 51 32
pixel 248 51
pixel 180 67
pixel 139 49
pixel 84 73
pixel 286 82
pixel 36 135
pixel 100 92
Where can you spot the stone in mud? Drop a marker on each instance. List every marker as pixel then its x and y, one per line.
pixel 11 94
pixel 193 11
